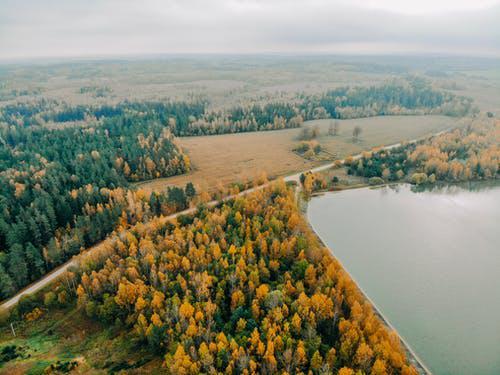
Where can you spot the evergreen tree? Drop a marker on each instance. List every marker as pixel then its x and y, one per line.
pixel 36 264
pixel 7 287
pixel 190 190
pixel 18 269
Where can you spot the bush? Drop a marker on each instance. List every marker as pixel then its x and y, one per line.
pixel 418 178
pixel 376 181
pixel 9 352
pixel 302 147
pixel 49 299
pixel 4 316
pixel 34 315
pixel 26 304
pixel 309 154
pixel 61 367
pixel 62 298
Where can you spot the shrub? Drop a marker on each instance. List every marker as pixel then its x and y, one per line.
pixel 4 316
pixel 34 315
pixel 49 299
pixel 62 298
pixel 309 154
pixel 26 304
pixel 376 181
pixel 418 178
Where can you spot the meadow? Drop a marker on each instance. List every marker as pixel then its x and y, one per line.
pixel 230 158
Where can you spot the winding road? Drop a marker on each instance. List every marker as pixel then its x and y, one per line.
pixel 57 272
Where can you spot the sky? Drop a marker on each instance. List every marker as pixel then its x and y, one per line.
pixel 79 28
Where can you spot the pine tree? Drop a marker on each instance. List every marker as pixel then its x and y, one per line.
pixel 17 265
pixel 7 287
pixel 190 190
pixel 36 265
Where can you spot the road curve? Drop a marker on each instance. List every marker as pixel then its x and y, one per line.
pixel 57 272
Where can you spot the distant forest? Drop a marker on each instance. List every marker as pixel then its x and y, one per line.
pixel 413 96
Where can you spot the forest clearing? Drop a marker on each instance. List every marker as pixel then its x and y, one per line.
pixel 225 159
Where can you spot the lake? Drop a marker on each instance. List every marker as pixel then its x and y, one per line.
pixel 430 261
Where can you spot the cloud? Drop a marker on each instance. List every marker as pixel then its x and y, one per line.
pixel 33 28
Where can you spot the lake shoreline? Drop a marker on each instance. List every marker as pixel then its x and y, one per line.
pixel 433 267
pixel 412 357
pixel 427 186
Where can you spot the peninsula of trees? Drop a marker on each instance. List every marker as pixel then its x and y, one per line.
pixel 243 288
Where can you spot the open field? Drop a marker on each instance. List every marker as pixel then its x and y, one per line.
pixel 235 157
pixel 225 80
pixel 230 80
pixel 479 81
pixel 483 87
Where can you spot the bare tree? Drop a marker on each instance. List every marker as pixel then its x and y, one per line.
pixel 356 133
pixel 333 129
pixel 307 133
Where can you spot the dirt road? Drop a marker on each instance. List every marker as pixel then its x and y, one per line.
pixel 54 274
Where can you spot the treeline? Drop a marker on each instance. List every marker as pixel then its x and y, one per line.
pixel 242 288
pixel 464 154
pixel 45 111
pixel 6 94
pixel 190 118
pixel 121 148
pixel 412 97
pixel 63 189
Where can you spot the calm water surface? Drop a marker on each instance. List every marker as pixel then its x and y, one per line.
pixel 430 261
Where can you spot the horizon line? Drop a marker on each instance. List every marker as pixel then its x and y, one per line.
pixel 156 55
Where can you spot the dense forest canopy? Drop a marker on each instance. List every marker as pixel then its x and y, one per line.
pixel 63 168
pixel 243 288
pixel 61 189
pixel 461 155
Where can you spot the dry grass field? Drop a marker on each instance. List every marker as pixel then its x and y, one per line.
pixel 235 157
pixel 230 80
pixel 225 80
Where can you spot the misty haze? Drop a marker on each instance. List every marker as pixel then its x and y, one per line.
pixel 250 187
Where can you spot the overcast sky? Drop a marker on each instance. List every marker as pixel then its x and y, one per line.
pixel 48 28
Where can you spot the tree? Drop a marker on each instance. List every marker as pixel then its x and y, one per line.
pixel 356 133
pixel 7 287
pixel 333 128
pixel 36 263
pixel 363 356
pixel 379 367
pixel 316 361
pixel 190 191
pixel 49 299
pixel 177 198
pixel 17 265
